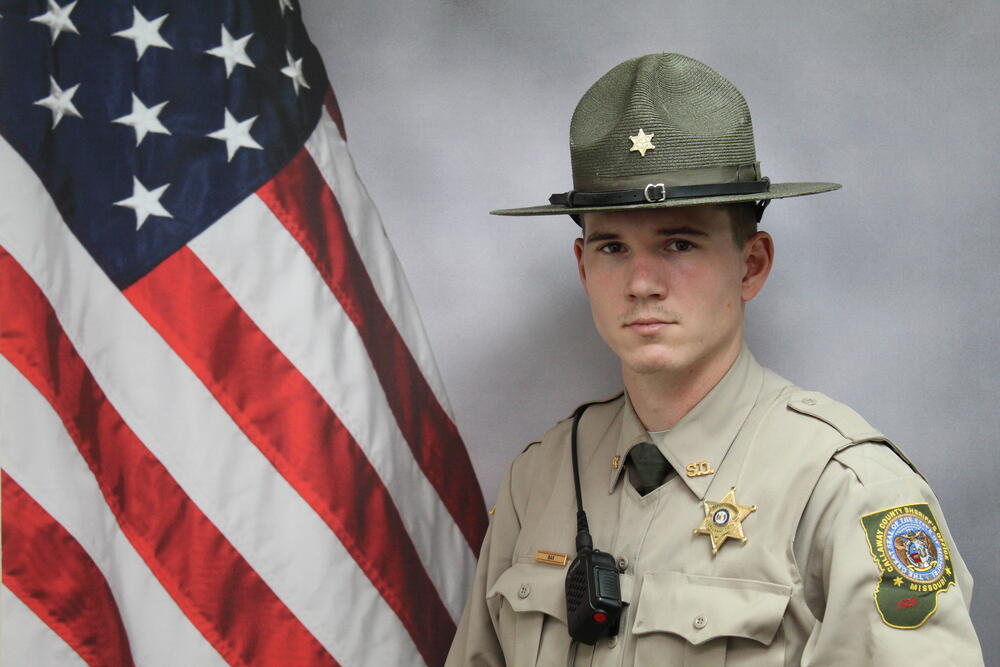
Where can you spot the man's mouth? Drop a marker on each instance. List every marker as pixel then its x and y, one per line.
pixel 647 325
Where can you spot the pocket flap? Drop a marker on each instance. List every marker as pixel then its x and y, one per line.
pixel 531 587
pixel 700 608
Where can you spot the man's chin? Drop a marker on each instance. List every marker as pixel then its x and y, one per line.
pixel 652 362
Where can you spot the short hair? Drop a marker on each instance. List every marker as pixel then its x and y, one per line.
pixel 743 218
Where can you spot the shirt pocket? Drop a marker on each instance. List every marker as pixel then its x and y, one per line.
pixel 529 601
pixel 687 619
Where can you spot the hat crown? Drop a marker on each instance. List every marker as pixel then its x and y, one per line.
pixel 696 117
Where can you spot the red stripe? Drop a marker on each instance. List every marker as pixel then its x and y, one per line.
pixel 212 584
pixel 50 572
pixel 291 424
pixel 301 199
pixel 332 108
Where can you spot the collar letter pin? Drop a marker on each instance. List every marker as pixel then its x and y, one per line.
pixel 699 469
pixel 616 461
pixel 551 557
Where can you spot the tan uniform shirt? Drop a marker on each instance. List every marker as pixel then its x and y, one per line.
pixel 800 590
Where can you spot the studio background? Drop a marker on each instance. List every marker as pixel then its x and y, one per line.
pixel 884 294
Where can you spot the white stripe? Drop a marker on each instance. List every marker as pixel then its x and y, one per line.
pixel 42 458
pixel 245 250
pixel 179 420
pixel 330 153
pixel 25 640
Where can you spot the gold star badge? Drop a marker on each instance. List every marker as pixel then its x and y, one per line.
pixel 898 581
pixel 724 519
pixel 641 142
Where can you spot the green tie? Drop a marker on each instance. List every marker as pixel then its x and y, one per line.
pixel 650 467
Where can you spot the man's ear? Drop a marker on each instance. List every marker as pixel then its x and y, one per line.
pixel 758 257
pixel 578 251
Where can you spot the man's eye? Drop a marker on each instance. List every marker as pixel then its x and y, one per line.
pixel 680 245
pixel 611 248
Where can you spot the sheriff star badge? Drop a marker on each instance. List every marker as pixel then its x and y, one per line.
pixel 724 519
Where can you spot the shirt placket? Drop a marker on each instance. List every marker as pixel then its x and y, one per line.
pixel 635 516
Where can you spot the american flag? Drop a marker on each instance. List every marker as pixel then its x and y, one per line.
pixel 224 438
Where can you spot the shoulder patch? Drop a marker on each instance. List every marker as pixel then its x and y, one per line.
pixel 913 560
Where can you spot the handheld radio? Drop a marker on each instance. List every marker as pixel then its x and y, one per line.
pixel 593 595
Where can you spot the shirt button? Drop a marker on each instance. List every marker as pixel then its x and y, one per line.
pixel 613 642
pixel 622 564
pixel 699 622
pixel 809 401
pixel 524 591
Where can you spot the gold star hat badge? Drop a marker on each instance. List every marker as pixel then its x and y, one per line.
pixel 724 519
pixel 642 142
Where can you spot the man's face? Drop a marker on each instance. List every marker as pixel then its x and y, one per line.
pixel 667 286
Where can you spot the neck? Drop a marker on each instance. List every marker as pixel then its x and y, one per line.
pixel 661 399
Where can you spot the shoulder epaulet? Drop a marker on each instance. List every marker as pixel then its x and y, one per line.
pixel 602 401
pixel 843 419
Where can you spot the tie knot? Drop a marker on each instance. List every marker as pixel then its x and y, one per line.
pixel 650 467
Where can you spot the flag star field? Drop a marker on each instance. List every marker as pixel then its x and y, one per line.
pixel 163 95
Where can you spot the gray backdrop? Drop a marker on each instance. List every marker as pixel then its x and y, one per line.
pixel 883 295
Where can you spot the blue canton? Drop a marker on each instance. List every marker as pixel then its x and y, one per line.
pixel 148 121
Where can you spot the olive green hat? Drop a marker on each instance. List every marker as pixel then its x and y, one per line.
pixel 663 130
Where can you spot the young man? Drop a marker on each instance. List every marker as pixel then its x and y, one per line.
pixel 733 517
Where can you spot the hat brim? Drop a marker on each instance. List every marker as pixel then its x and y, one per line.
pixel 776 191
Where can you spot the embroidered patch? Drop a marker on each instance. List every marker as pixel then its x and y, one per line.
pixel 912 556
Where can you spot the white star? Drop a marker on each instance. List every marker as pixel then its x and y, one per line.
pixel 233 51
pixel 285 4
pixel 145 202
pixel 294 72
pixel 144 119
pixel 59 102
pixel 58 20
pixel 236 134
pixel 144 33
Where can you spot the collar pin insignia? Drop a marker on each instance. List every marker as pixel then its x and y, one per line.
pixel 616 461
pixel 642 143
pixel 724 519
pixel 699 469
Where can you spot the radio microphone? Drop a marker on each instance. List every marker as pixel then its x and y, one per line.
pixel 593 594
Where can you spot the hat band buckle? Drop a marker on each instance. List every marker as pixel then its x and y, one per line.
pixel 662 196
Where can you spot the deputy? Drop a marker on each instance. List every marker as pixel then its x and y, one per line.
pixel 747 521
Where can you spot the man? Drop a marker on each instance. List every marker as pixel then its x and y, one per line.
pixel 733 517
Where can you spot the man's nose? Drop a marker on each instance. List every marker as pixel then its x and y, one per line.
pixel 646 278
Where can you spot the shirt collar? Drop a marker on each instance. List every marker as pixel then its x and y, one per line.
pixel 705 433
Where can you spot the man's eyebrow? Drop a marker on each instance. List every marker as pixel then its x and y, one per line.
pixel 663 231
pixel 683 229
pixel 602 236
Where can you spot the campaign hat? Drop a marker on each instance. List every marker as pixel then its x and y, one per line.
pixel 663 130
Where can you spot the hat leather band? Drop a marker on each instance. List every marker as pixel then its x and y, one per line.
pixel 656 192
